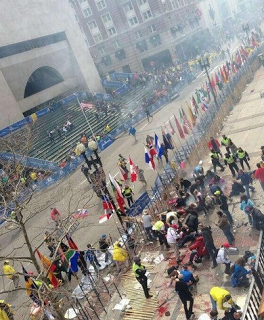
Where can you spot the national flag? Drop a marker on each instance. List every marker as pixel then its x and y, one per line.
pixel 30 284
pixel 48 267
pixel 181 134
pixel 72 257
pixel 226 73
pixel 208 89
pixel 158 148
pixel 186 120
pixel 204 104
pixel 171 127
pixel 71 243
pixel 133 170
pixel 86 106
pixel 105 217
pixel 185 130
pixel 218 82
pixel 191 115
pixel 198 98
pixel 233 66
pixel 224 80
pixel 244 52
pixel 237 59
pixel 194 106
pixel 123 173
pixel 213 84
pixel 117 192
pixel 106 203
pixel 149 160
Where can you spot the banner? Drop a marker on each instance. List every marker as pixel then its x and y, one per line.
pixel 139 205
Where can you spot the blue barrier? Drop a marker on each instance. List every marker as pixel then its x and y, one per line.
pixel 139 205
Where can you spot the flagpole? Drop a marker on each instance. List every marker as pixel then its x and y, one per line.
pixel 176 153
pixel 85 116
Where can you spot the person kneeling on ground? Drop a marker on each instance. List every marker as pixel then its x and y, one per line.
pixel 239 276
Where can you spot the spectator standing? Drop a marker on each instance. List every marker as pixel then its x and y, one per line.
pixel 222 257
pixel 132 131
pixel 50 135
pixel 243 157
pixel 245 205
pixel 225 226
pixel 209 243
pixel 214 144
pixel 55 216
pixel 11 274
pixel 246 180
pixel 172 237
pixel 200 201
pixel 104 246
pixel 259 174
pixel 140 273
pixel 147 224
pixel 185 296
pixel 120 256
pixel 221 199
pixel 91 257
pixel 146 109
pixel 58 131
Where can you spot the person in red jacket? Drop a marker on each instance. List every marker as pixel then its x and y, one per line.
pixel 55 215
pixel 214 144
pixel 198 249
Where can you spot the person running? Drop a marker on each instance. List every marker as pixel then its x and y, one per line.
pixel 185 296
pixel 246 180
pixel 214 144
pixel 140 273
pixel 132 131
pixel 215 160
pixel 148 113
pixel 220 296
pixel 243 157
pixel 225 226
pixel 11 274
pixel 230 160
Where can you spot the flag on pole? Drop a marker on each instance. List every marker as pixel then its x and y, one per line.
pixel 117 192
pixel 243 52
pixel 123 173
pixel 185 130
pixel 46 263
pixel 218 82
pixel 71 243
pixel 191 115
pixel 149 160
pixel 72 257
pixel 224 80
pixel 106 203
pixel 198 97
pixel 181 134
pixel 133 170
pixel 158 148
pixel 194 107
pixel 213 84
pixel 186 120
pixel 171 127
pixel 105 217
pixel 86 106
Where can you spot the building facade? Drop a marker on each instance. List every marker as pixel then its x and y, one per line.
pixel 137 35
pixel 42 55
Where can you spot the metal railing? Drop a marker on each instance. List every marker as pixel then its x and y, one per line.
pixel 256 288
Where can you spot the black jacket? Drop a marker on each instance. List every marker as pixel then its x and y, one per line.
pixel 207 235
pixel 182 289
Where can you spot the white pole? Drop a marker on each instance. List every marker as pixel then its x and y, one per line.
pixel 85 116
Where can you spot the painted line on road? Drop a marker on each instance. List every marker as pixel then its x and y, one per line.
pixel 143 126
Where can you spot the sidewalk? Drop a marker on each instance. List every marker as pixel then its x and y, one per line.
pixel 245 126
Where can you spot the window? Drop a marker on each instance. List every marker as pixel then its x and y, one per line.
pixel 97 37
pixel 138 34
pixel 152 28
pixel 174 4
pixel 92 25
pixel 87 12
pixel 133 21
pixel 140 2
pixel 106 17
pixel 128 6
pixel 82 1
pixel 146 15
pixel 111 31
pixel 100 4
pixel 101 50
pixel 117 44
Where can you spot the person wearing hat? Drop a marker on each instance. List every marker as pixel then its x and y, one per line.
pixel 185 296
pixel 6 312
pixel 198 170
pixel 214 155
pixel 223 258
pixel 220 296
pixel 225 226
pixel 10 273
pixel 140 273
pixel 104 246
pixel 230 160
pixel 243 157
pixel 120 256
pixel 172 237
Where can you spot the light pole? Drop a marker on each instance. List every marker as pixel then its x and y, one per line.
pixel 245 27
pixel 205 65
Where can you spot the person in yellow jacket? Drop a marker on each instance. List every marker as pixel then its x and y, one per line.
pixel 120 256
pixel 10 273
pixel 6 312
pixel 219 296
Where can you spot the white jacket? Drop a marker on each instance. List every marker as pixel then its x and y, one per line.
pixel 172 235
pixel 222 256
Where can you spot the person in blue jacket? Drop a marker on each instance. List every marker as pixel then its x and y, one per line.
pixel 239 276
pixel 245 205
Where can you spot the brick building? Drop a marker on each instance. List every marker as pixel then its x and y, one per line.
pixel 137 35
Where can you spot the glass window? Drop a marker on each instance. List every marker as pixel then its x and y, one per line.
pixel 82 1
pixel 97 37
pixel 117 44
pixel 111 31
pixel 87 12
pixel 138 34
pixel 133 21
pixel 128 6
pixel 106 17
pixel 101 50
pixel 92 25
pixel 152 28
pixel 140 2
pixel 147 15
pixel 100 4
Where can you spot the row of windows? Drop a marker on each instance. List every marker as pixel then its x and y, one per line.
pixel 101 4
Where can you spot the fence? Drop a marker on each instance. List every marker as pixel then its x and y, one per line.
pixel 256 288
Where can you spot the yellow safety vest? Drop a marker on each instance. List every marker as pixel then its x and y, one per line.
pixel 215 155
pixel 135 267
pixel 127 192
pixel 225 141
pixel 158 225
pixel 241 155
pixel 230 160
